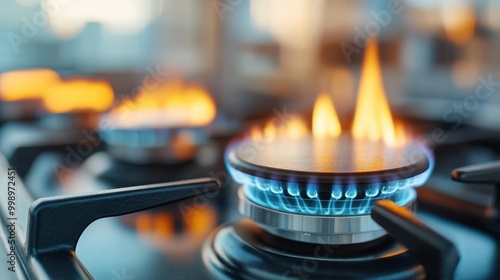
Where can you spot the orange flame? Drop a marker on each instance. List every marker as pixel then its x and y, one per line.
pixel 78 95
pixel 325 124
pixel 296 128
pixel 292 128
pixel 373 119
pixel 57 96
pixel 26 84
pixel 325 121
pixel 172 104
pixel 159 229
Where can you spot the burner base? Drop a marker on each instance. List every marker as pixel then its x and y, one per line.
pixel 317 229
pixel 242 250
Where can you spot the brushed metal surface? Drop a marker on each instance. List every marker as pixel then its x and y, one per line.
pixel 314 228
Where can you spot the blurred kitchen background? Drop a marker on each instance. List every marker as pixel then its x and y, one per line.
pixel 247 52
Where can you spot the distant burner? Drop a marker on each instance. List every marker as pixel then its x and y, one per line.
pixel 160 125
pixel 154 146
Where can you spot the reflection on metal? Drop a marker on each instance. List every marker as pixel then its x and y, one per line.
pixel 177 235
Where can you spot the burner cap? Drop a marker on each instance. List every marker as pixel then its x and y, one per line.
pixel 328 161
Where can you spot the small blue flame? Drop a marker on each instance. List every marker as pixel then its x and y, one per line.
pixel 337 192
pixel 312 191
pixel 293 189
pixel 372 191
pixel 351 192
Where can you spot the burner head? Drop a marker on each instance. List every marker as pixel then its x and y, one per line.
pixel 328 161
pixel 333 182
pixel 319 229
pixel 154 146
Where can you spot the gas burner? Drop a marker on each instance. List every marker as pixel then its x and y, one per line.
pixel 150 146
pixel 162 125
pixel 41 94
pixel 343 193
pixel 319 187
pixel 20 92
pixel 242 250
pixel 88 120
pixel 325 194
pixel 324 229
pixel 271 257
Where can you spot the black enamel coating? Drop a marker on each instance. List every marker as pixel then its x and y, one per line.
pixel 54 225
pixel 438 255
pixel 483 217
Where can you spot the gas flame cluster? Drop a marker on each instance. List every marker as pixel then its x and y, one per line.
pixel 172 104
pixel 372 120
pixel 56 94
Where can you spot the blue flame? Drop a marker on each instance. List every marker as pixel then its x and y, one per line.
pixel 311 203
pixel 150 137
pixel 344 199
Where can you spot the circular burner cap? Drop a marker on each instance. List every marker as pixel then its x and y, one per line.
pixel 328 161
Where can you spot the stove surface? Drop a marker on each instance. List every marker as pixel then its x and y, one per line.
pixel 166 242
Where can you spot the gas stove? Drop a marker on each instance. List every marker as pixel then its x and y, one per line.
pixel 151 189
pixel 297 140
pixel 193 229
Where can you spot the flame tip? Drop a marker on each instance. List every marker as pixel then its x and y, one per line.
pixel 373 119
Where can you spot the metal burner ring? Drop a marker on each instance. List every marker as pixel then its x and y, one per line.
pixel 324 229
